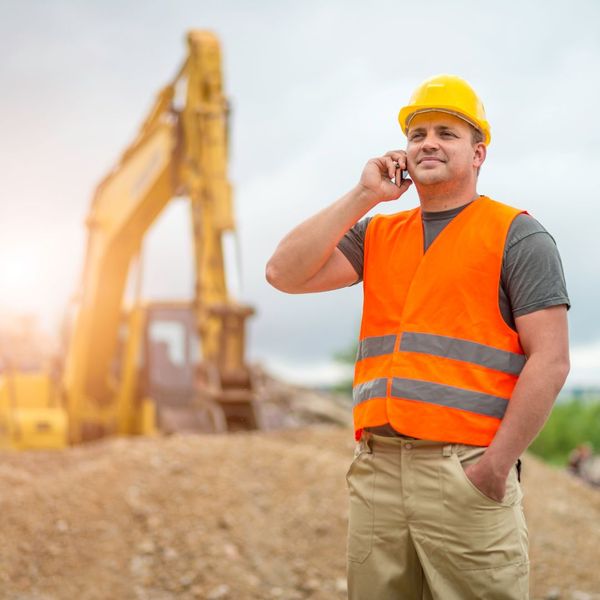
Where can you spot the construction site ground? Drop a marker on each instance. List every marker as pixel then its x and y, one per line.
pixel 258 515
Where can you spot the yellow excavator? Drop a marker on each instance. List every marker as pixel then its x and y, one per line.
pixel 167 366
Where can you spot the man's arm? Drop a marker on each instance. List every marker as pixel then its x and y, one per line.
pixel 307 259
pixel 544 338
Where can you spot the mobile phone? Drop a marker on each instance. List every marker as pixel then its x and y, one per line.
pixel 403 176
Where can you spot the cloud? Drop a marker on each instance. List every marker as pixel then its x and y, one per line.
pixel 585 365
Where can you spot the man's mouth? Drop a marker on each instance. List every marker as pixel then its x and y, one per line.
pixel 426 159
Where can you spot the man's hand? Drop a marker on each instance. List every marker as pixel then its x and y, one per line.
pixel 492 484
pixel 376 177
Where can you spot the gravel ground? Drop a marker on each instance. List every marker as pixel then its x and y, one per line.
pixel 243 516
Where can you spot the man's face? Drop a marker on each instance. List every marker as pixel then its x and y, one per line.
pixel 440 149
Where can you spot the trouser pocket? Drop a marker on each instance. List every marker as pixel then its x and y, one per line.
pixel 360 479
pixel 480 532
pixel 471 455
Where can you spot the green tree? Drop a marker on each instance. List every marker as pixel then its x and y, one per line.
pixel 573 421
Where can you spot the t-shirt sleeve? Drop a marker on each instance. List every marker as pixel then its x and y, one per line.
pixel 352 246
pixel 532 271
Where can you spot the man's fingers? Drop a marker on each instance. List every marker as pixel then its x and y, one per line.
pixel 398 156
pixel 386 165
pixel 398 174
pixel 394 166
pixel 391 166
pixel 395 153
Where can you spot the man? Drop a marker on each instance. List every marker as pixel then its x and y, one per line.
pixel 462 352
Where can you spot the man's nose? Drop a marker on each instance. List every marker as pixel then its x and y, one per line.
pixel 430 141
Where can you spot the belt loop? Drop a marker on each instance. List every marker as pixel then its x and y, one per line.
pixel 447 450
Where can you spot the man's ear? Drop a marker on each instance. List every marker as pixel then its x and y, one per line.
pixel 479 154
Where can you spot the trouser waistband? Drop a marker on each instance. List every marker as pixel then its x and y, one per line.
pixel 370 442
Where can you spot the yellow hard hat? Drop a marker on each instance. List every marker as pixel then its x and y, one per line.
pixel 447 93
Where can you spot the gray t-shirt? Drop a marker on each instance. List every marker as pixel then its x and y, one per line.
pixel 532 275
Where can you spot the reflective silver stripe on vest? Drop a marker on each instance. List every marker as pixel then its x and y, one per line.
pixel 376 346
pixel 449 347
pixel 447 395
pixel 376 388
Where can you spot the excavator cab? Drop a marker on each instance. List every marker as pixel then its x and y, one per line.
pixel 171 363
pixel 175 387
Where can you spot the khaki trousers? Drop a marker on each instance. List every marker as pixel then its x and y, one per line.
pixel 420 530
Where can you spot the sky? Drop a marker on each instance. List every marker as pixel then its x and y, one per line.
pixel 315 89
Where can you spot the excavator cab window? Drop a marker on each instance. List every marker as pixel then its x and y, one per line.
pixel 170 361
pixel 168 355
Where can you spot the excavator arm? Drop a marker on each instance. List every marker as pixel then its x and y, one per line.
pixel 125 205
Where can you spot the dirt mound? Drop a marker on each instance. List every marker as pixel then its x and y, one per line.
pixel 244 516
pixel 563 517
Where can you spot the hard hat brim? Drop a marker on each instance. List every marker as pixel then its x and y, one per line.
pixel 407 113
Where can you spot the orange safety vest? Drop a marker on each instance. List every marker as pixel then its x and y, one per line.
pixel 436 360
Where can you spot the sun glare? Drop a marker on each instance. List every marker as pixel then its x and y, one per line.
pixel 20 274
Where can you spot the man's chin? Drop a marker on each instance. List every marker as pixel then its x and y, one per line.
pixel 429 178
